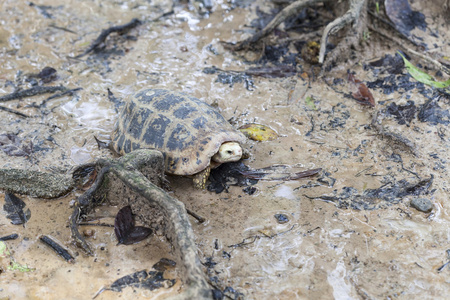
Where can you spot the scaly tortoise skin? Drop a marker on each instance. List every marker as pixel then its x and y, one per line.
pixel 190 133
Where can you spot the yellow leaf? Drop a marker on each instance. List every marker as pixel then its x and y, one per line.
pixel 258 132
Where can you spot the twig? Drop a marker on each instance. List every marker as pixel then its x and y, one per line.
pixel 9 237
pixel 14 111
pixel 199 218
pixel 36 90
pixel 252 239
pixel 68 92
pixel 121 29
pixel 95 224
pixel 288 11
pixel 62 28
pixel 57 248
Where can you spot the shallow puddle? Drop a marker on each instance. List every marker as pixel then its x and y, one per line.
pixel 330 247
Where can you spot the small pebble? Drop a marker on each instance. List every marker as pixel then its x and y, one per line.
pixel 88 232
pixel 281 218
pixel 422 204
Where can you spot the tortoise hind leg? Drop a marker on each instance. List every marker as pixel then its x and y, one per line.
pixel 200 178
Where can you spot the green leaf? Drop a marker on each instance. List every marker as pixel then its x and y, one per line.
pixel 310 102
pixel 22 268
pixel 423 77
pixel 4 250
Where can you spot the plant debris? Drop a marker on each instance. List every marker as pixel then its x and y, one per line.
pixel 272 72
pixel 279 172
pixel 13 265
pixel 126 231
pixel 356 13
pixel 231 77
pixel 422 76
pixel 12 145
pixel 229 174
pixel 46 75
pixel 237 173
pixel 434 114
pixel 59 95
pixel 448 261
pixel 14 207
pixel 405 19
pixel 120 29
pixel 404 114
pixel 389 64
pixel 360 92
pixel 391 193
pixel 57 248
pixel 13 111
pixel 150 280
pixel 9 237
pixel 43 10
pixel 36 90
pixel 258 132
pixel 118 103
pixel 163 264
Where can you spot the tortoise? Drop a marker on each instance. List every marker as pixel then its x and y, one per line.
pixel 192 136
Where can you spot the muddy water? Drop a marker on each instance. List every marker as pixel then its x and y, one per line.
pixel 322 252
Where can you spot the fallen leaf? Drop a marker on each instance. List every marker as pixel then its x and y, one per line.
pixel 15 266
pixel 12 145
pixel 126 231
pixel 422 76
pixel 14 206
pixel 310 102
pixel 258 132
pixel 360 92
pixel 4 250
pixel 406 20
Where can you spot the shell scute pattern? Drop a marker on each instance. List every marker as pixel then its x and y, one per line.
pixel 179 139
pixel 136 121
pixel 185 129
pixel 155 130
pixel 199 122
pixel 183 112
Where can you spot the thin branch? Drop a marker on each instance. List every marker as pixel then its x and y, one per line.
pixel 287 12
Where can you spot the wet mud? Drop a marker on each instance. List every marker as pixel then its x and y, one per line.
pixel 348 233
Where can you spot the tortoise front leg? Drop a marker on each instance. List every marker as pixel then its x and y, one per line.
pixel 201 177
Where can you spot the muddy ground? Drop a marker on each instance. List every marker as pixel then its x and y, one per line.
pixel 351 232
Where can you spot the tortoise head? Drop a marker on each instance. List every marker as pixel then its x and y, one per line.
pixel 228 152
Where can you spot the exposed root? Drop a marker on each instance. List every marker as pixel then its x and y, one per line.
pixel 357 14
pixel 133 180
pixel 286 13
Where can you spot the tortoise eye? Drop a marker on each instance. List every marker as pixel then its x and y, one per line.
pixel 229 151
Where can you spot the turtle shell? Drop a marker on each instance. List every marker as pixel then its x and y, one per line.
pixel 185 129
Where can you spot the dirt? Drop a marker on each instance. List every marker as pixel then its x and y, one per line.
pixel 374 247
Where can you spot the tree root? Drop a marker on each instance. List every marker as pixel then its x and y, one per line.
pixel 287 12
pixel 122 182
pixel 356 14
